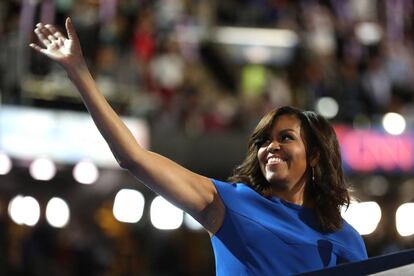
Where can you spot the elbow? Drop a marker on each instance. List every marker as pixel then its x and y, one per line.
pixel 124 163
pixel 129 161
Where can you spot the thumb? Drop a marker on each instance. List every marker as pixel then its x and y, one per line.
pixel 70 29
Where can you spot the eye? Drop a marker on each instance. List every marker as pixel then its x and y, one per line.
pixel 262 141
pixel 286 137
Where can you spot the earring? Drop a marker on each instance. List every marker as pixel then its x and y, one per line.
pixel 313 176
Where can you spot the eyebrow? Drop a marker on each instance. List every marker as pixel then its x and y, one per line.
pixel 287 130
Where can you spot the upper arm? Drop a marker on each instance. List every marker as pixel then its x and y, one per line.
pixel 194 193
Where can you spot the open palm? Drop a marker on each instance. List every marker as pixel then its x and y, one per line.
pixel 65 51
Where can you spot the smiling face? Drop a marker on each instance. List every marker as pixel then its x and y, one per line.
pixel 282 157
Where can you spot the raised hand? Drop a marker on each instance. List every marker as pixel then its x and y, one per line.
pixel 65 51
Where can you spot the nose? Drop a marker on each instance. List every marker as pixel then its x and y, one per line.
pixel 273 146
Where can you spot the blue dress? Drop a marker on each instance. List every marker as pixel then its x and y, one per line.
pixel 262 236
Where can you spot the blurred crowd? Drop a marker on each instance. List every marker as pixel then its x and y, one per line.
pixel 155 59
pixel 95 244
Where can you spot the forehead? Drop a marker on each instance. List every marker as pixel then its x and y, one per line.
pixel 287 122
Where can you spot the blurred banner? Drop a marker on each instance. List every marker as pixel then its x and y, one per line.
pixel 370 150
pixel 64 136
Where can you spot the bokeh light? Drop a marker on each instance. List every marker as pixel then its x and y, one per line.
pixel 164 215
pixel 394 123
pixel 363 216
pixel 42 169
pixel 404 219
pixel 57 212
pixel 5 164
pixel 24 210
pixel 128 206
pixel 85 172
pixel 327 107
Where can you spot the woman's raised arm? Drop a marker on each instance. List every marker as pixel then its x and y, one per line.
pixel 192 192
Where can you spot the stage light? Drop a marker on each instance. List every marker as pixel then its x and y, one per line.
pixel 57 212
pixel 31 210
pixel 42 169
pixel 363 216
pixel 164 215
pixel 85 172
pixel 404 219
pixel 393 123
pixel 191 223
pixel 5 164
pixel 15 210
pixel 24 210
pixel 327 107
pixel 128 206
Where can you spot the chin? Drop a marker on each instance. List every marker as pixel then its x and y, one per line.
pixel 278 184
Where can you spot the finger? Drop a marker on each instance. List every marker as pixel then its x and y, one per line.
pixel 42 37
pixel 42 28
pixel 36 47
pixel 52 39
pixel 61 42
pixel 54 31
pixel 42 32
pixel 70 29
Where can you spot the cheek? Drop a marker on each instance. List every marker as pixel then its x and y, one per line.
pixel 301 159
pixel 260 154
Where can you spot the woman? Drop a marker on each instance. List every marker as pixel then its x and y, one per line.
pixel 281 212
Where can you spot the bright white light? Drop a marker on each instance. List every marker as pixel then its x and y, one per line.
pixel 5 164
pixel 368 33
pixel 164 215
pixel 363 216
pixel 85 172
pixel 257 54
pixel 327 107
pixel 191 223
pixel 31 211
pixel 42 169
pixel 256 36
pixel 15 210
pixel 24 210
pixel 128 206
pixel 57 212
pixel 404 219
pixel 393 123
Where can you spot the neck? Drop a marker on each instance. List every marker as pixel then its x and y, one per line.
pixel 295 194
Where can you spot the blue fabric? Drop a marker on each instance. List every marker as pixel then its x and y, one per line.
pixel 261 236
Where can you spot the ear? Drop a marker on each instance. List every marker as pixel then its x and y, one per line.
pixel 314 158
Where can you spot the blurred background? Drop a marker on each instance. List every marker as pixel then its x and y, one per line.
pixel 191 78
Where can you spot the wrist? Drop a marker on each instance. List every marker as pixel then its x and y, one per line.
pixel 76 69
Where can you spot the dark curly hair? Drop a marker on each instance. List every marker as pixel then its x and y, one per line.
pixel 328 191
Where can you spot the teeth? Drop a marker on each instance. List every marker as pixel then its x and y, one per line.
pixel 274 160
